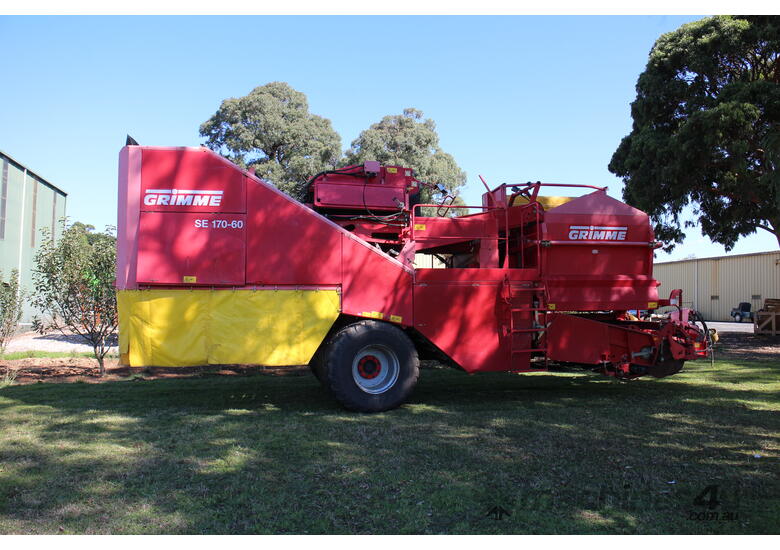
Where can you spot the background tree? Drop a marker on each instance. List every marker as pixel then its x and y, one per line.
pixel 74 284
pixel 11 302
pixel 408 140
pixel 272 131
pixel 706 130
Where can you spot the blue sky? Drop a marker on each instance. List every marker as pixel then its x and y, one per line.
pixel 514 98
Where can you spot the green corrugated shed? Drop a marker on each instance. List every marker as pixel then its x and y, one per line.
pixel 28 203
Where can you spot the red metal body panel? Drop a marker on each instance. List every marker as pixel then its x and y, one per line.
pixel 192 249
pixel 128 216
pixel 461 311
pixel 580 340
pixel 190 180
pixel 287 243
pixel 594 293
pixel 382 191
pixel 466 314
pixel 332 195
pixel 597 254
pixel 428 231
pixel 192 224
pixel 374 284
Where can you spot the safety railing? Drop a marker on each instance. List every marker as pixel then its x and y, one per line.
pixel 529 190
pixel 417 227
pixel 532 208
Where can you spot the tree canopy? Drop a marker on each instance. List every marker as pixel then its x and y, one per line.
pixel 408 140
pixel 706 130
pixel 74 285
pixel 271 130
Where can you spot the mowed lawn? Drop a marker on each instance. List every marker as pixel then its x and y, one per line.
pixel 495 453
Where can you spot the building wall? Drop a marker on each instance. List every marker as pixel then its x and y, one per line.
pixel 716 285
pixel 30 204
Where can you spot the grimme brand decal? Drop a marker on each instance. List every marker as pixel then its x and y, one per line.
pixel 597 233
pixel 182 197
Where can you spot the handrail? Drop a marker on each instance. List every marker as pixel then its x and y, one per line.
pixel 540 184
pixel 414 217
pixel 506 265
pixel 531 190
pixel 593 242
pixel 453 206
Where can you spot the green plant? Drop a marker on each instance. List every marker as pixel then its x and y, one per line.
pixel 8 379
pixel 706 132
pixel 11 300
pixel 74 285
pixel 410 140
pixel 272 131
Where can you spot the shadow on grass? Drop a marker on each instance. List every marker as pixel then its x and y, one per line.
pixel 562 453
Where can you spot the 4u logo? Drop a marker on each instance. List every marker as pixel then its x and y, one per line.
pixel 708 497
pixel 716 508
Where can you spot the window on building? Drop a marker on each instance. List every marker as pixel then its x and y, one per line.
pixel 3 198
pixel 34 210
pixel 755 297
pixel 714 297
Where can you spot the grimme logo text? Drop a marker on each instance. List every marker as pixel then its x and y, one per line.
pixel 182 197
pixel 597 233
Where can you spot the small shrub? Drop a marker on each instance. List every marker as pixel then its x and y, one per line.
pixel 8 379
pixel 74 285
pixel 11 301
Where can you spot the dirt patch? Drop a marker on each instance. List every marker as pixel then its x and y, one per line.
pixel 84 369
pixel 732 345
pixel 744 346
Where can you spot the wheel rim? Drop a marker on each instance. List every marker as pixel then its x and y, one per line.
pixel 375 369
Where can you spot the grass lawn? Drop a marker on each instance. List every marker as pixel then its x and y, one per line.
pixel 561 453
pixel 11 355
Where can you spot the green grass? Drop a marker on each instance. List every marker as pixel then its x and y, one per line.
pixel 46 355
pixel 563 453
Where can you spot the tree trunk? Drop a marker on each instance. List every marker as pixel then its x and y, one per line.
pixel 100 361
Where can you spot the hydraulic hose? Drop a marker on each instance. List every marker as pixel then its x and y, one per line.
pixel 710 344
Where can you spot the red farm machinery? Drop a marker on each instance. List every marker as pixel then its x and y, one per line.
pixel 216 266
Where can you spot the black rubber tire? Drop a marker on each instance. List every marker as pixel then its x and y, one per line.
pixel 317 366
pixel 347 343
pixel 737 318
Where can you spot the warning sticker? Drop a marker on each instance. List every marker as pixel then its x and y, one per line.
pixel 373 314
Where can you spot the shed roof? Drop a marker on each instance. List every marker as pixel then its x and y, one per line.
pixel 36 175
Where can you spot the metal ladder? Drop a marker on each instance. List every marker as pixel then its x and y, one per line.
pixel 538 318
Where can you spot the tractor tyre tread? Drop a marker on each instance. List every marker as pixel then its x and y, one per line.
pixel 347 342
pixel 318 367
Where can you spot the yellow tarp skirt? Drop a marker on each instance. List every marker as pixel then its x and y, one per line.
pixel 177 328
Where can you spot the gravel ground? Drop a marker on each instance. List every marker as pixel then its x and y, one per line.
pixel 53 341
pixel 731 327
